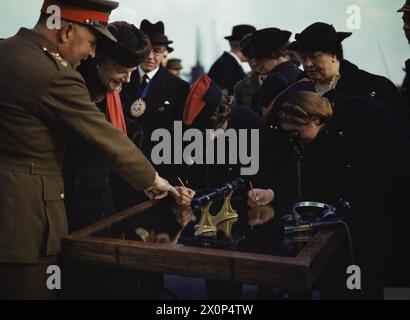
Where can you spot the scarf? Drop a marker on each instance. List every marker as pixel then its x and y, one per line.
pixel 114 111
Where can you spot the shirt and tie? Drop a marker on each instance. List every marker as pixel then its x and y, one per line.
pixel 146 77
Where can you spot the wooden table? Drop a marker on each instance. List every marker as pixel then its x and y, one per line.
pixel 296 273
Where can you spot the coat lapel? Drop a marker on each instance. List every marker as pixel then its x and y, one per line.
pixel 157 92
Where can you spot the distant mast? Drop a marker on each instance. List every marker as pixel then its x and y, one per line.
pixel 198 69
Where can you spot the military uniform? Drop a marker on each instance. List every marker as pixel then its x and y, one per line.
pixel 226 72
pixel 43 99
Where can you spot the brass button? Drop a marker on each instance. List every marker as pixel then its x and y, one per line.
pixel 62 195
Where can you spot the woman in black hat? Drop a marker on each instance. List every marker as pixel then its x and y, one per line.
pixel 267 51
pixel 87 177
pixel 322 53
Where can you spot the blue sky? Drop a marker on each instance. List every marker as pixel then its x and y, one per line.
pixel 380 34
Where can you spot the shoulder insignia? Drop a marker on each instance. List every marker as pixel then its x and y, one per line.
pixel 56 57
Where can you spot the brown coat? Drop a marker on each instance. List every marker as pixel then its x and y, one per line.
pixel 42 100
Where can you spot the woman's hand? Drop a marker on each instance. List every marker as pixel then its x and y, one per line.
pixel 184 196
pixel 260 197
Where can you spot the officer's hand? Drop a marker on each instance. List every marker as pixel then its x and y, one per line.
pixel 184 196
pixel 159 189
pixel 260 197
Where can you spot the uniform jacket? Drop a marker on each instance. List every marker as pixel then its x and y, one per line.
pixel 226 72
pixel 363 158
pixel 245 91
pixel 42 100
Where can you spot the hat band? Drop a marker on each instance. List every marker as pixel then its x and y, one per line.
pixel 79 15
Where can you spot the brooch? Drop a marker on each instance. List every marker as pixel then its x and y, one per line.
pixel 138 108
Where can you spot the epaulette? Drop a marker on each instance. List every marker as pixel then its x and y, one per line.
pixel 56 57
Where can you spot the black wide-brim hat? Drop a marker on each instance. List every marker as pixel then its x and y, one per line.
pixel 132 45
pixel 263 43
pixel 240 31
pixel 406 7
pixel 316 36
pixel 170 49
pixel 92 13
pixel 155 32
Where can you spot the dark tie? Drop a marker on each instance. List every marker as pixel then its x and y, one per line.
pixel 144 82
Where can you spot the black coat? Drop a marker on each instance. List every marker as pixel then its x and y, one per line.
pixel 405 94
pixel 357 82
pixel 363 158
pixel 226 72
pixel 165 104
pixel 405 89
pixel 88 195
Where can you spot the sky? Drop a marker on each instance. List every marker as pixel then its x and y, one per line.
pixel 378 44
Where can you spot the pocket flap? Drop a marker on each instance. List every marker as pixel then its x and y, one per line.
pixel 53 188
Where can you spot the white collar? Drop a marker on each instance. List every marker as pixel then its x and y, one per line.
pixel 150 74
pixel 236 58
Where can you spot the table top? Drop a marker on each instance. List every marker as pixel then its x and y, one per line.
pixel 249 248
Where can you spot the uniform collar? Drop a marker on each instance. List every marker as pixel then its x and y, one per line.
pixel 283 66
pixel 37 38
pixel 235 57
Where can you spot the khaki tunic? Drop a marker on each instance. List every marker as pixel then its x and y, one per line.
pixel 42 100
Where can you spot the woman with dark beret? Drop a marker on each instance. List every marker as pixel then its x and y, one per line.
pixel 207 107
pixel 356 150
